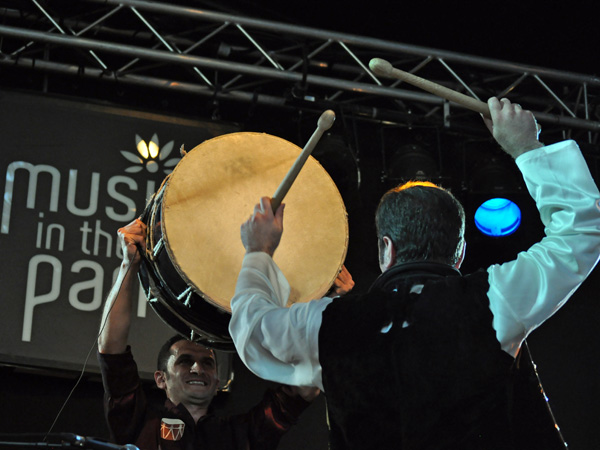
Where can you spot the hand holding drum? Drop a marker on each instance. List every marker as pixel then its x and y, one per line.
pixel 384 68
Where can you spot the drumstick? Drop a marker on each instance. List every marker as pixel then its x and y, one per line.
pixel 384 68
pixel 324 123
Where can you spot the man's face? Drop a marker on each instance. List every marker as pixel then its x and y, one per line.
pixel 191 376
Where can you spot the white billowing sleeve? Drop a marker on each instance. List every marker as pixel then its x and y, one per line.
pixel 527 291
pixel 275 342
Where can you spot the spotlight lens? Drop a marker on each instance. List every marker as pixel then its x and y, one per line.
pixel 498 217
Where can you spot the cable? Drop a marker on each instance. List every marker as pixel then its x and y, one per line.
pixel 102 325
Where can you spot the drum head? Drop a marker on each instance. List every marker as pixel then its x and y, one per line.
pixel 213 190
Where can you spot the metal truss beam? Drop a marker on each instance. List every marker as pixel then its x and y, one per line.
pixel 164 46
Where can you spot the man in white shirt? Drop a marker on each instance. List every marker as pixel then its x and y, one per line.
pixel 425 358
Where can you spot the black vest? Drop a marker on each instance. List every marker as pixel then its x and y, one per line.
pixel 415 364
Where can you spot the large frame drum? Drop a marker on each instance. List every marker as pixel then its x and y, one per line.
pixel 194 247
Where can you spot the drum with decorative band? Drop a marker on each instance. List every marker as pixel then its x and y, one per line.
pixel 194 248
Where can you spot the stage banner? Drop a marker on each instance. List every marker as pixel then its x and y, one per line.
pixel 72 174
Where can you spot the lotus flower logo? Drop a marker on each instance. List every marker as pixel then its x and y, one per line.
pixel 150 156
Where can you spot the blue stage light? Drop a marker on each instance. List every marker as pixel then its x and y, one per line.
pixel 498 217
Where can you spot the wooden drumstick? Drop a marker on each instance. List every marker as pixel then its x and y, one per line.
pixel 385 69
pixel 324 123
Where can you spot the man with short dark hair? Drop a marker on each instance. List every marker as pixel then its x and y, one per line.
pixel 187 372
pixel 424 359
pixel 422 222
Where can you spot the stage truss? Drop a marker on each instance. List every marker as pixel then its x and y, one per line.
pixel 165 46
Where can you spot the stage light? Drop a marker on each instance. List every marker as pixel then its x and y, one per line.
pixel 412 162
pixel 340 162
pixel 498 217
pixel 497 188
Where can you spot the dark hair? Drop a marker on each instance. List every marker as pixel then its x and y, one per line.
pixel 424 222
pixel 165 352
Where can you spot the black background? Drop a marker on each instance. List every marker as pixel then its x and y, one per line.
pixel 554 34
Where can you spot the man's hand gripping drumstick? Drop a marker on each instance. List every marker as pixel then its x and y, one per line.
pixel 510 124
pixel 262 231
pixel 514 128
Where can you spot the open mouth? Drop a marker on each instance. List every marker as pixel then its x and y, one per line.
pixel 197 383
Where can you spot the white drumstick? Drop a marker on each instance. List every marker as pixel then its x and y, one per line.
pixel 384 68
pixel 324 123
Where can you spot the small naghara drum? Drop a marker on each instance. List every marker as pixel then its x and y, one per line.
pixel 194 247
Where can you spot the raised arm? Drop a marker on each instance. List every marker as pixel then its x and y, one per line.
pixel 117 315
pixel 527 291
pixel 276 342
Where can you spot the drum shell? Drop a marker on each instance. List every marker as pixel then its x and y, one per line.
pixel 171 298
pixel 194 229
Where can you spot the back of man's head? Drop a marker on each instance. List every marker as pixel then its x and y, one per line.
pixel 424 222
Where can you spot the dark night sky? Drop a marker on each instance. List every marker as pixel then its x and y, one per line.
pixel 554 34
